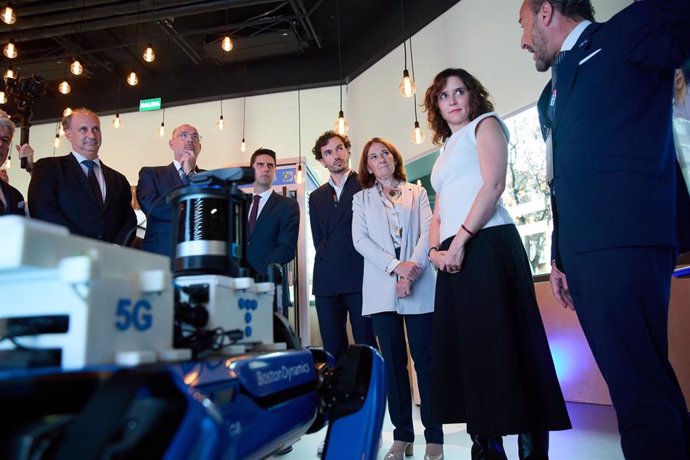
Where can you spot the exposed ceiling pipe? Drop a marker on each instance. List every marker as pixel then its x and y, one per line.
pixel 186 48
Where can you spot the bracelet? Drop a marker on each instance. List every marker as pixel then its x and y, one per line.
pixel 469 232
pixel 432 248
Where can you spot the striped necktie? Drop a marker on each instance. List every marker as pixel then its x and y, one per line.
pixel 554 87
pixel 183 176
pixel 93 182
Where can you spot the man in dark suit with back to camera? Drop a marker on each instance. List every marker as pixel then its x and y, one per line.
pixel 78 190
pixel 155 182
pixel 620 211
pixel 273 224
pixel 338 267
pixel 11 199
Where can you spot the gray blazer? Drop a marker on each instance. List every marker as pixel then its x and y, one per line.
pixel 372 239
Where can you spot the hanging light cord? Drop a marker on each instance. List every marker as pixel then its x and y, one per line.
pixel 299 128
pixel 244 114
pixel 340 59
pixel 402 18
pixel 414 96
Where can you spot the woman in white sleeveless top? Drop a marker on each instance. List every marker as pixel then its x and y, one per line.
pixel 491 365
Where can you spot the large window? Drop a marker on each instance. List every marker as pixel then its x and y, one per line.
pixel 527 195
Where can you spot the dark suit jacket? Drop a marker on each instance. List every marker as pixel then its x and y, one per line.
pixel 274 239
pixel 14 198
pixel 154 184
pixel 615 171
pixel 338 267
pixel 59 192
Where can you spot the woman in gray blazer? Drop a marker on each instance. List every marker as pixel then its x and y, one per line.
pixel 390 228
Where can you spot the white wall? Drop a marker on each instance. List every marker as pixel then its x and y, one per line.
pixel 482 36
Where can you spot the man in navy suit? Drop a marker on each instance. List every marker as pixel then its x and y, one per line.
pixel 338 267
pixel 156 182
pixel 78 190
pixel 11 199
pixel 273 218
pixel 620 216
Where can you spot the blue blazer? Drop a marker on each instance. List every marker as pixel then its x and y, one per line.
pixel 14 199
pixel 274 239
pixel 59 192
pixel 153 186
pixel 338 267
pixel 616 179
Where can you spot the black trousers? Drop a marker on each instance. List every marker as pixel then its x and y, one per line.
pixel 332 312
pixel 621 298
pixel 390 329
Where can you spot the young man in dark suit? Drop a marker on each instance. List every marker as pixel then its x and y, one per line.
pixel 78 191
pixel 273 223
pixel 338 267
pixel 620 214
pixel 157 181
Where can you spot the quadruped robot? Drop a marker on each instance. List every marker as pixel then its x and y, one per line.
pixel 107 353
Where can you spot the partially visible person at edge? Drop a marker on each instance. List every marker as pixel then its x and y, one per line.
pixel 620 209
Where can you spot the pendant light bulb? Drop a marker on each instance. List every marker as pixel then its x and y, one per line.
pixel 56 142
pixel 10 50
pixel 64 87
pixel 221 123
pixel 61 130
pixel 161 130
pixel 3 97
pixel 116 120
pixel 341 124
pixel 149 54
pixel 76 68
pixel 132 78
pixel 227 43
pixel 299 175
pixel 8 15
pixel 418 135
pixel 243 146
pixel 407 86
pixel 67 112
pixel 10 73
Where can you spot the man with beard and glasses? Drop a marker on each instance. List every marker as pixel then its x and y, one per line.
pixel 78 190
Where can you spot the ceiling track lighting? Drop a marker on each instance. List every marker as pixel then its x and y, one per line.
pixel 149 54
pixel 10 50
pixel 8 15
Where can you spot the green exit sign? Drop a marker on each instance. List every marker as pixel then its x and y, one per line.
pixel 146 105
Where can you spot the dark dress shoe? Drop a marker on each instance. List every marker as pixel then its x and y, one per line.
pixel 533 445
pixel 487 447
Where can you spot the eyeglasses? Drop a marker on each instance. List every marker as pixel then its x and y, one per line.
pixel 185 136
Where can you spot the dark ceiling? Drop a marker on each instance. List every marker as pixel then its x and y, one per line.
pixel 278 45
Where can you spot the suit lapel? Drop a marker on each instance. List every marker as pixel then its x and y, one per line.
pixel 109 178
pixel 567 71
pixel 172 177
pixel 406 214
pixel 345 201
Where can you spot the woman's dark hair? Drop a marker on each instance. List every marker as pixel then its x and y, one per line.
pixel 479 101
pixel 367 179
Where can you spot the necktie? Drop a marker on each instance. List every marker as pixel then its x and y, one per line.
pixel 551 113
pixel 184 177
pixel 254 213
pixel 93 182
pixel 554 88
